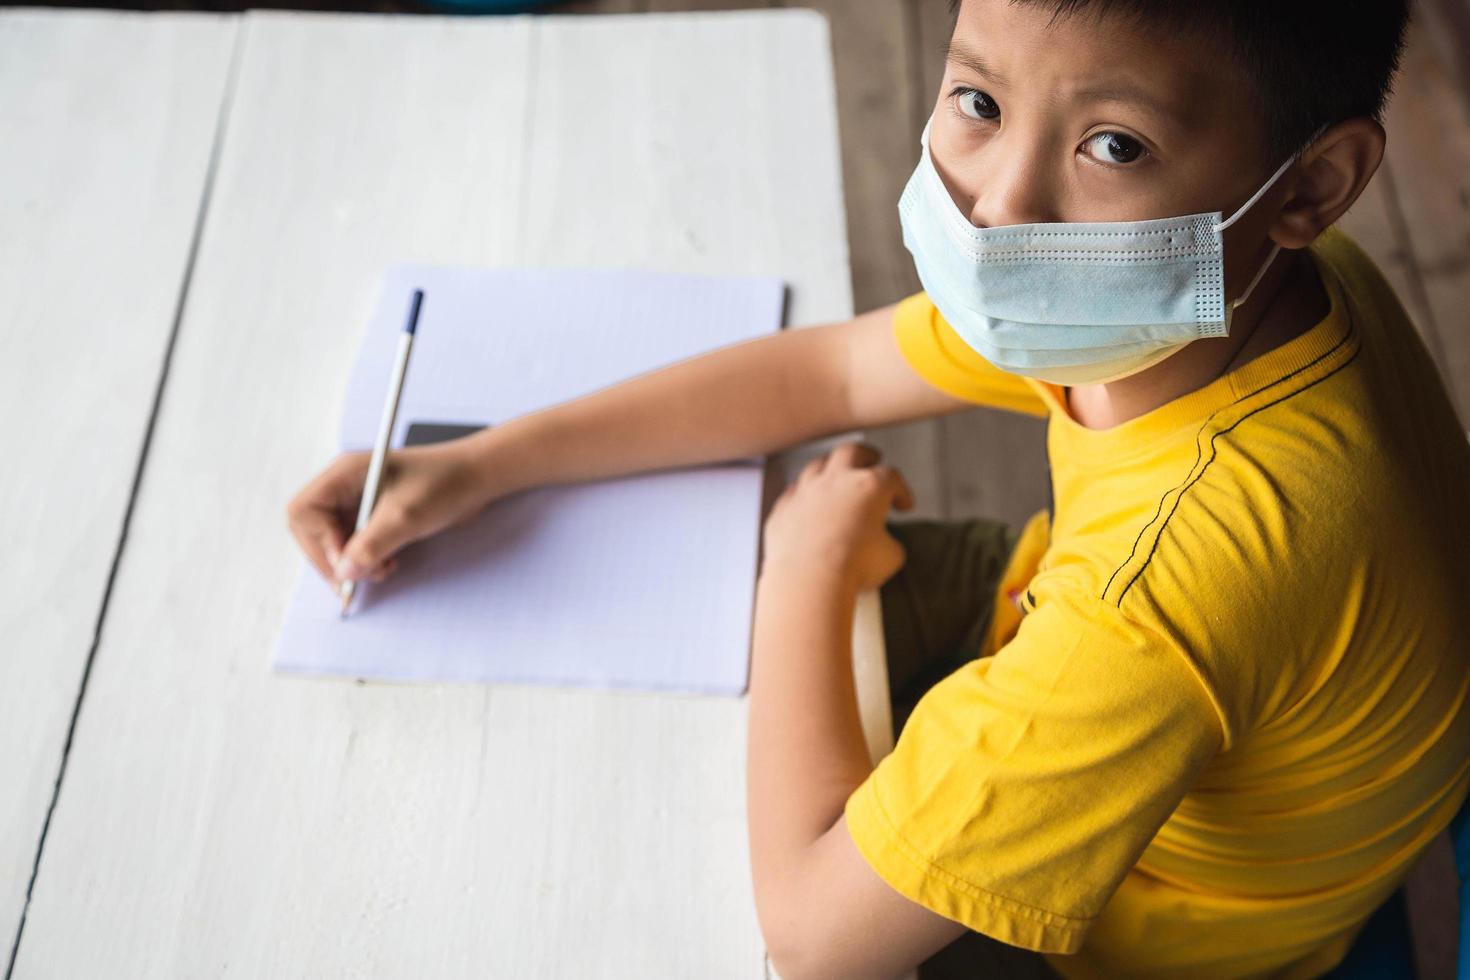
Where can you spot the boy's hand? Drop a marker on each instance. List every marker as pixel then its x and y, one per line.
pixel 424 490
pixel 832 518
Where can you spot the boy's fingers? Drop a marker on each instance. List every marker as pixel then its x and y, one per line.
pixel 905 498
pixel 387 531
pixel 900 493
pixel 849 455
pixel 857 454
pixel 316 515
pixel 905 494
pixel 340 484
pixel 332 539
pixel 317 534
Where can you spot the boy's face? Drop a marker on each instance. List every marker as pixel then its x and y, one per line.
pixel 1089 119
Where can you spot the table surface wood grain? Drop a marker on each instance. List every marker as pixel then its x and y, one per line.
pixel 106 123
pixel 214 817
pixel 888 56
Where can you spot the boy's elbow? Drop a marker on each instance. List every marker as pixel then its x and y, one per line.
pixel 798 961
pixel 818 926
pixel 809 955
pixel 792 944
pixel 809 961
pixel 782 941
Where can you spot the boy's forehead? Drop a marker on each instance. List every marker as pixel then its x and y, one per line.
pixel 1185 81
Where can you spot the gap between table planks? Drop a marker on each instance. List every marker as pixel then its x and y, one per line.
pixel 1412 219
pixel 109 120
pixel 213 815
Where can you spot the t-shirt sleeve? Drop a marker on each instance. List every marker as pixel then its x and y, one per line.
pixel 1026 785
pixel 939 356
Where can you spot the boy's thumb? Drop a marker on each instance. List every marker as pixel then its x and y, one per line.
pixel 365 551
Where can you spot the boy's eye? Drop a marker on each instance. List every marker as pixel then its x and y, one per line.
pixel 977 105
pixel 1114 148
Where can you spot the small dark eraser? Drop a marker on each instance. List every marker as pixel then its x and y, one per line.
pixel 424 433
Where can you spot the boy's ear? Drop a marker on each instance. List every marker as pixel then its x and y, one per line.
pixel 1334 170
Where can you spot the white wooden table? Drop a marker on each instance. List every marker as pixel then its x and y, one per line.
pixel 196 209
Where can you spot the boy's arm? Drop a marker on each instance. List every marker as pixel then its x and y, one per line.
pixel 736 402
pixel 824 912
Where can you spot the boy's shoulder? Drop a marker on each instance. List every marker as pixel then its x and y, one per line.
pixel 1336 403
pixel 1328 489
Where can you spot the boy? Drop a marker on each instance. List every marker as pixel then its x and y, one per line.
pixel 1225 712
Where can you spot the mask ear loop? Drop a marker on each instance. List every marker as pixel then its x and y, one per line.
pixel 1239 301
pixel 1221 226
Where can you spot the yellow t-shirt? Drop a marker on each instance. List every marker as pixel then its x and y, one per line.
pixel 1231 711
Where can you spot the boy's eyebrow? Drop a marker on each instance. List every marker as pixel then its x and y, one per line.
pixel 964 57
pixel 957 52
pixel 1131 94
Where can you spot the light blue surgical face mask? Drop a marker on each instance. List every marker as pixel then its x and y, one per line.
pixel 1071 303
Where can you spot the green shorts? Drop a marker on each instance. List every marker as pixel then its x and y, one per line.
pixel 936 614
pixel 937 607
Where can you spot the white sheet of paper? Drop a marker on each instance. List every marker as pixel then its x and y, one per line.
pixel 643 582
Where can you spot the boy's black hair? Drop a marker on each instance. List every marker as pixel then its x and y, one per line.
pixel 1312 62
